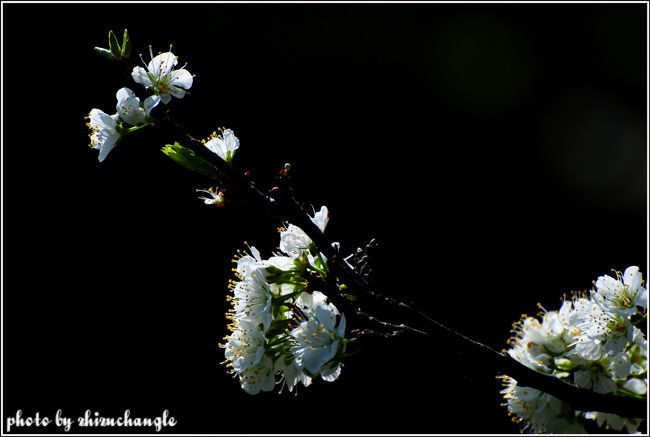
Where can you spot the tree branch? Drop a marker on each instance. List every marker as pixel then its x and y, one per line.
pixel 283 206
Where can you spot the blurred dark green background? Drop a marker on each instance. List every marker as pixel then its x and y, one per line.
pixel 497 151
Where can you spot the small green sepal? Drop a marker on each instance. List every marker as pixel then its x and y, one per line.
pixel 126 45
pixel 121 130
pixel 114 46
pixel 105 53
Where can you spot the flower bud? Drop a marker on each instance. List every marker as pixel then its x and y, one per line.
pixel 564 364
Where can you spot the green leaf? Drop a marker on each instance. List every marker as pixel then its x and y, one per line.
pixel 105 53
pixel 188 159
pixel 126 45
pixel 114 45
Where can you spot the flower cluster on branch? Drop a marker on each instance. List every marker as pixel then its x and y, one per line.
pixel 279 323
pixel 591 342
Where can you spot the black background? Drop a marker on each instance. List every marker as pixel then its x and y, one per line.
pixel 496 151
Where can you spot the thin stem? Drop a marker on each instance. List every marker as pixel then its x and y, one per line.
pixel 642 320
pixel 283 298
pixel 135 128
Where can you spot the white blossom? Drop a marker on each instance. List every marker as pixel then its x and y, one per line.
pixel 293 240
pixel 599 331
pixel 160 77
pixel 317 339
pixel 224 146
pixel 245 351
pixel 622 295
pixel 104 135
pixel 128 107
pixel 535 344
pixel 245 345
pixel 321 218
pixel 599 374
pixel 252 301
pixel 216 198
pixel 258 377
pixel 311 301
pixel 292 374
pixel 537 411
pixel 252 294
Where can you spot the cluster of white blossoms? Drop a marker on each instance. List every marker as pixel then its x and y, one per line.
pixel 278 325
pixel 108 130
pixel 591 341
pixel 159 78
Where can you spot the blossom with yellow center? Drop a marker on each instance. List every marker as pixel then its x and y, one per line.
pixel 160 78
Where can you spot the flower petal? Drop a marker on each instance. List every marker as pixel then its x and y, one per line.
pixel 181 78
pixel 128 106
pixel 232 142
pixel 99 117
pixel 179 93
pixel 321 218
pixel 341 328
pixel 165 97
pixel 162 64
pixel 620 366
pixel 314 359
pixel 217 146
pixel 326 317
pixel 605 385
pixel 330 375
pixel 110 142
pixel 150 103
pixel 636 385
pixel 140 76
pixel 125 93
